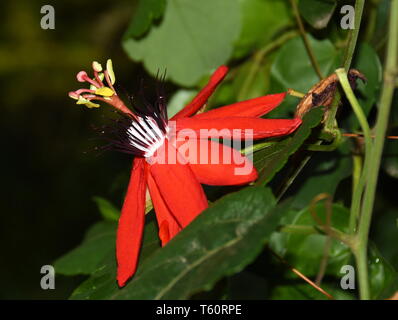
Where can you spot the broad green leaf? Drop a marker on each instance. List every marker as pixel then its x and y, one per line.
pixel 261 20
pixel 219 242
pixel 193 39
pixel 107 209
pixel 305 251
pixel 102 283
pixel 276 159
pixel 381 273
pixel 98 242
pixel 263 157
pixel 146 12
pixel 322 174
pixel 317 12
pixel 292 68
pixel 257 279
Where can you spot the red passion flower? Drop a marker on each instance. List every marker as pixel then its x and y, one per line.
pixel 172 158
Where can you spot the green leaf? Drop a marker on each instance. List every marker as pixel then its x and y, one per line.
pixel 146 12
pixel 102 283
pixel 219 242
pixel 261 20
pixel 381 274
pixel 275 157
pixel 107 209
pixel 292 67
pixel 317 12
pixel 305 251
pixel 264 157
pixel 323 174
pixel 193 39
pixel 98 242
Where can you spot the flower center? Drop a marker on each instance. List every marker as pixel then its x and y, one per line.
pixel 146 135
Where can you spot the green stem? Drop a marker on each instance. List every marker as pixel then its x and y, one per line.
pixel 358 192
pixel 356 175
pixel 307 44
pixel 342 75
pixel 390 75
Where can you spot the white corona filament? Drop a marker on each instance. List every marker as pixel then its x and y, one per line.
pixel 146 138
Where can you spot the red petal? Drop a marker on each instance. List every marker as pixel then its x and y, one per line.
pixel 235 127
pixel 249 108
pixel 178 187
pixel 217 164
pixel 168 226
pixel 131 224
pixel 204 94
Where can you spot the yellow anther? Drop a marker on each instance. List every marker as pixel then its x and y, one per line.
pixel 97 66
pixel 105 92
pixel 86 102
pixel 109 68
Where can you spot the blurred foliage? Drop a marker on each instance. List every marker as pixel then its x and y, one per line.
pixel 54 175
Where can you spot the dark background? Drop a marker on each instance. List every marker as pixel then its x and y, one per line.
pixel 49 173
